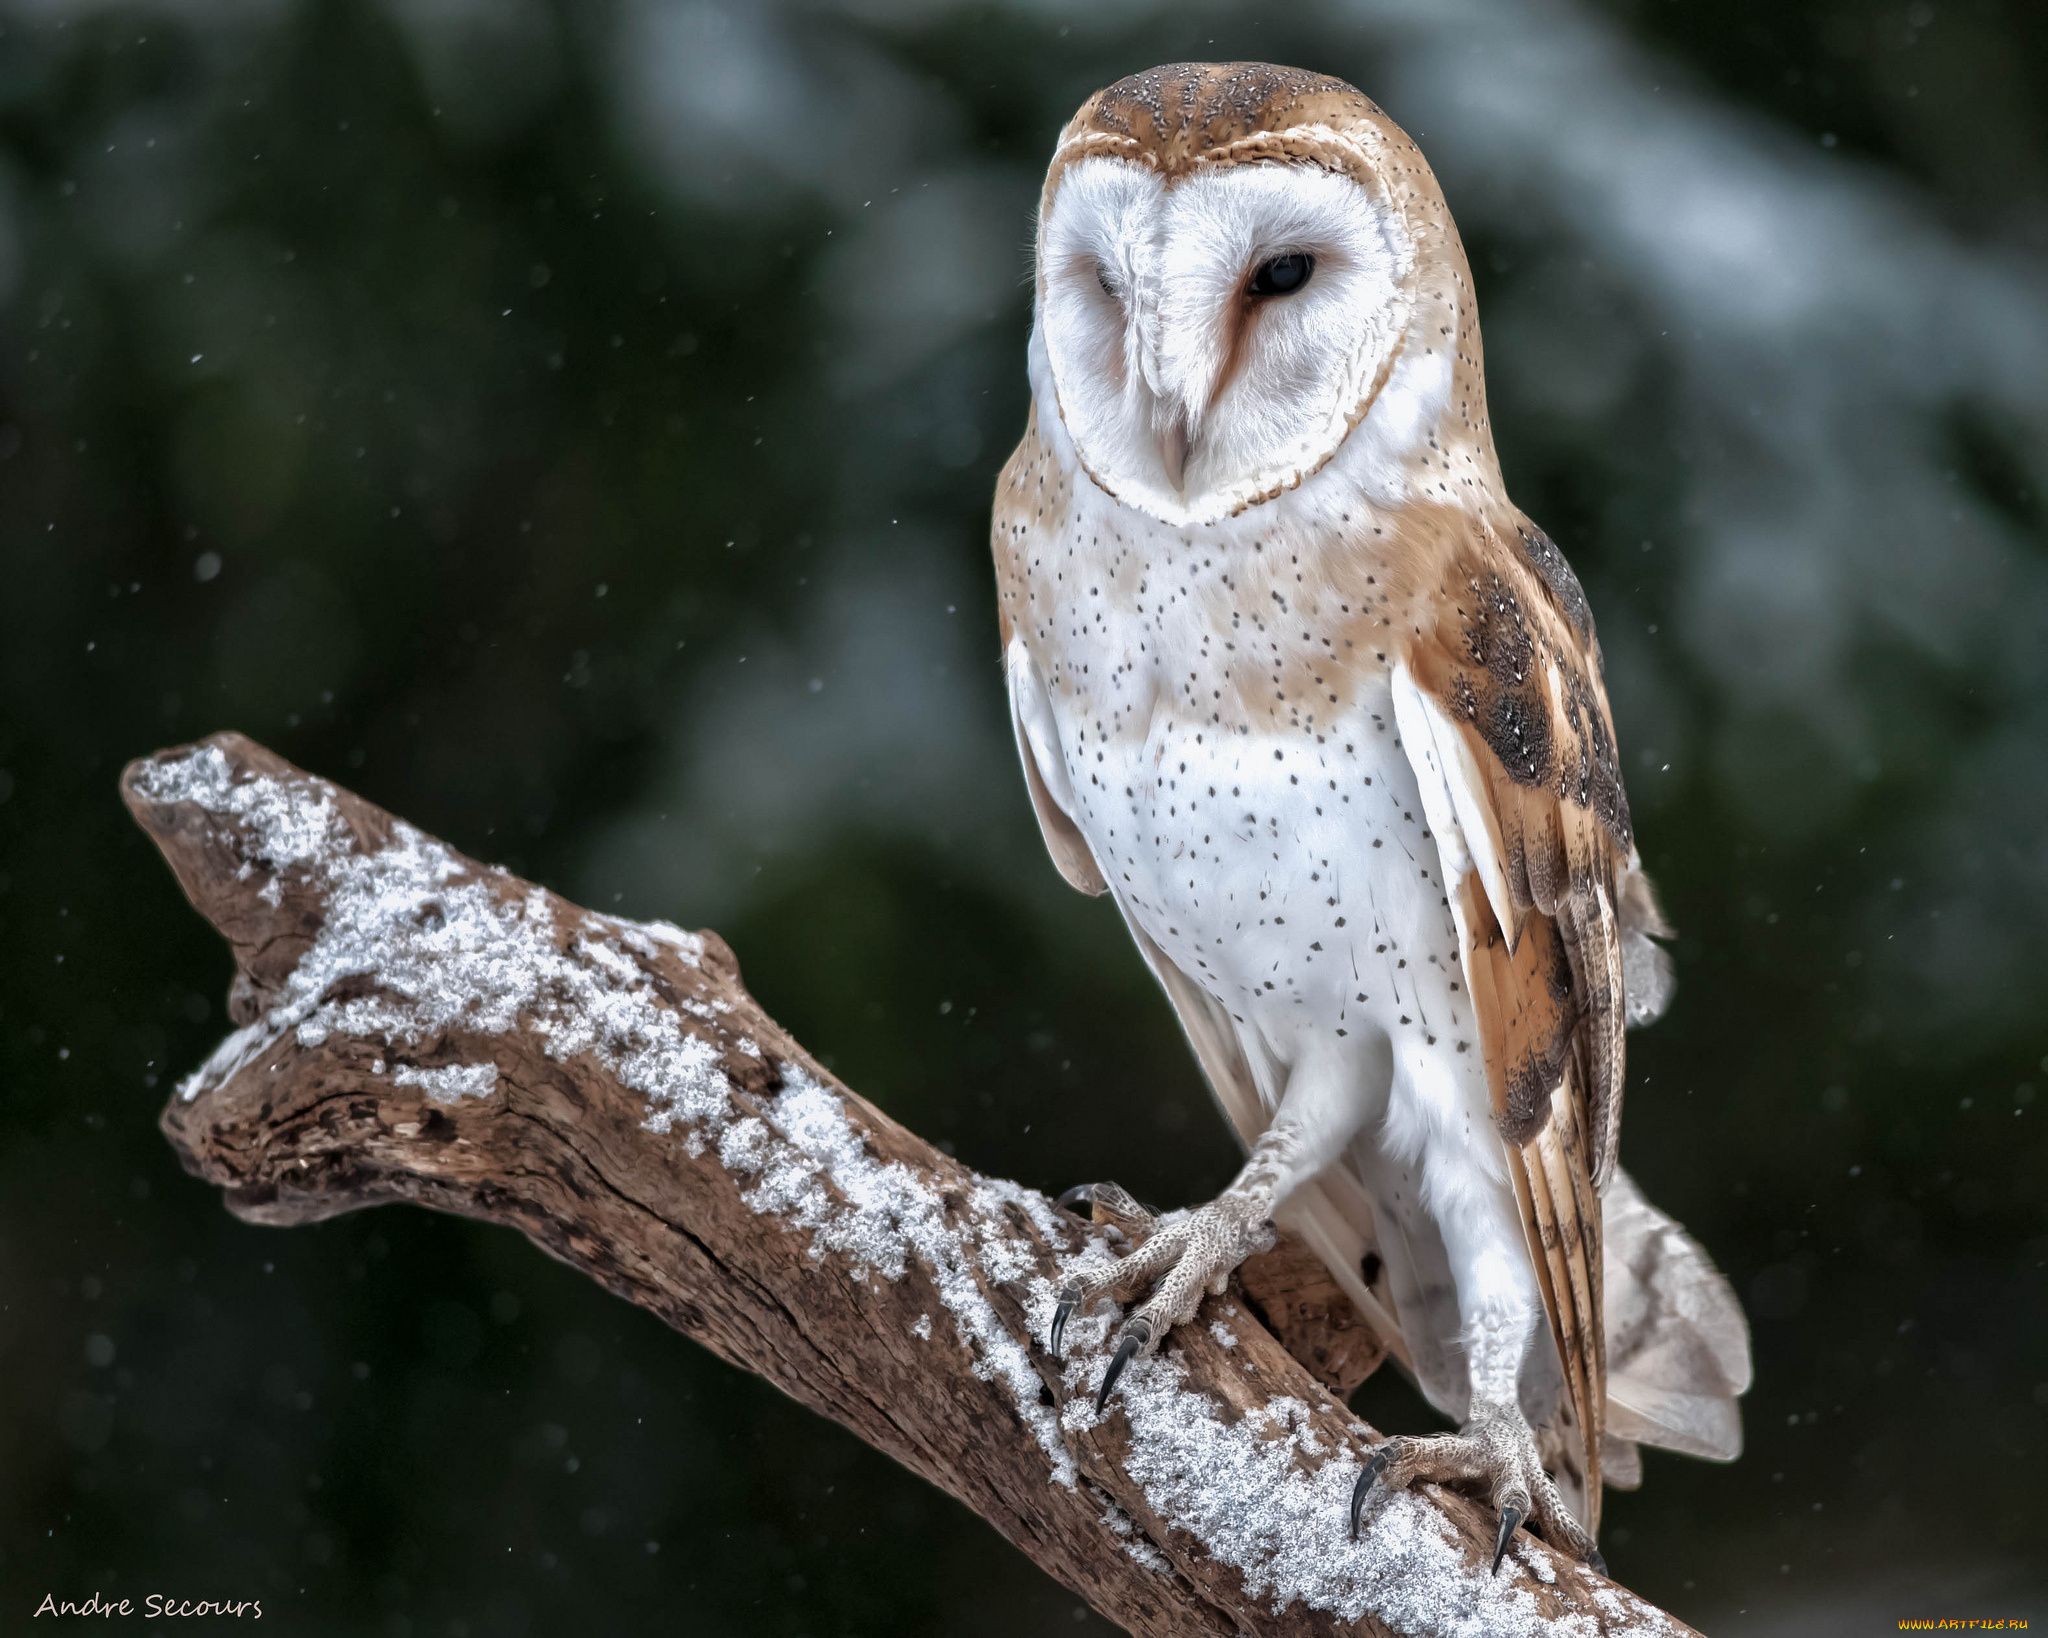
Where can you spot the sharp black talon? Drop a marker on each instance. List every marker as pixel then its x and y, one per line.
pixel 1594 1559
pixel 1070 1299
pixel 1510 1516
pixel 1136 1335
pixel 1080 1193
pixel 1375 1465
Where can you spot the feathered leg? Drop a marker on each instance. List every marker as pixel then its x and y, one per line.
pixel 1496 1448
pixel 1195 1252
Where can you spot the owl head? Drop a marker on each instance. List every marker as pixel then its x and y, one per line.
pixel 1234 262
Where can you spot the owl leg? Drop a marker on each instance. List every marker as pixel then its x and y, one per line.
pixel 1496 1448
pixel 1196 1251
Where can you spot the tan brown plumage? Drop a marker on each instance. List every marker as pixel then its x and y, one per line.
pixel 1513 660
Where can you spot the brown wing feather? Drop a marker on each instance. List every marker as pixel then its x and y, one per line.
pixel 1575 1209
pixel 1512 662
pixel 1524 998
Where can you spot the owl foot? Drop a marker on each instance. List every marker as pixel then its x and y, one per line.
pixel 1191 1254
pixel 1109 1203
pixel 1496 1448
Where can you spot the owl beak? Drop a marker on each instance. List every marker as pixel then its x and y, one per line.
pixel 1176 442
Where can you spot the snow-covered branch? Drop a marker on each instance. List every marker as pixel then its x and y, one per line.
pixel 416 1026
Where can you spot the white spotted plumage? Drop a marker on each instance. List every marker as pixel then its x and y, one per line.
pixel 1250 552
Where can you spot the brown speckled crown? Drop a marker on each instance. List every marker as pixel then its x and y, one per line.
pixel 1179 113
pixel 1183 117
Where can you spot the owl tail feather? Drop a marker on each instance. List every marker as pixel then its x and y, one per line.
pixel 1677 1344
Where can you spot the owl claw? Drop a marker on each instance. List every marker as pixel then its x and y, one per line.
pixel 1510 1516
pixel 1375 1465
pixel 1070 1299
pixel 1081 1194
pixel 1136 1334
pixel 1595 1561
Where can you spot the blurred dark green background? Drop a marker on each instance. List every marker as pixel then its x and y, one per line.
pixel 573 427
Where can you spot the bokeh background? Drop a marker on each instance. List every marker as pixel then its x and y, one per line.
pixel 573 426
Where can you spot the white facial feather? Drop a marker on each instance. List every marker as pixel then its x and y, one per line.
pixel 1160 356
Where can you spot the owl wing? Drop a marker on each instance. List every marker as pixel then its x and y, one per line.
pixel 1503 714
pixel 1045 771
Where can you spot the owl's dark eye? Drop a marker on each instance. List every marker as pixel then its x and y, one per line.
pixel 1283 275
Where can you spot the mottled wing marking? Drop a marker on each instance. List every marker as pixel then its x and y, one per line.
pixel 1550 566
pixel 1507 664
pixel 1511 669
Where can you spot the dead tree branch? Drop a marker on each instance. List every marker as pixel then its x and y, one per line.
pixel 415 1026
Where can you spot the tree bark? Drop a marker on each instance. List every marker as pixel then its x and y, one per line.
pixel 416 1026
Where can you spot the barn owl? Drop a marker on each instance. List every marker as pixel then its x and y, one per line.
pixel 1295 683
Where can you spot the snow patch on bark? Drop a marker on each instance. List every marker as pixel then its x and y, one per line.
pixel 451 1082
pixel 1268 1496
pixel 812 1170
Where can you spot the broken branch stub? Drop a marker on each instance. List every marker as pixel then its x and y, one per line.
pixel 416 1026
